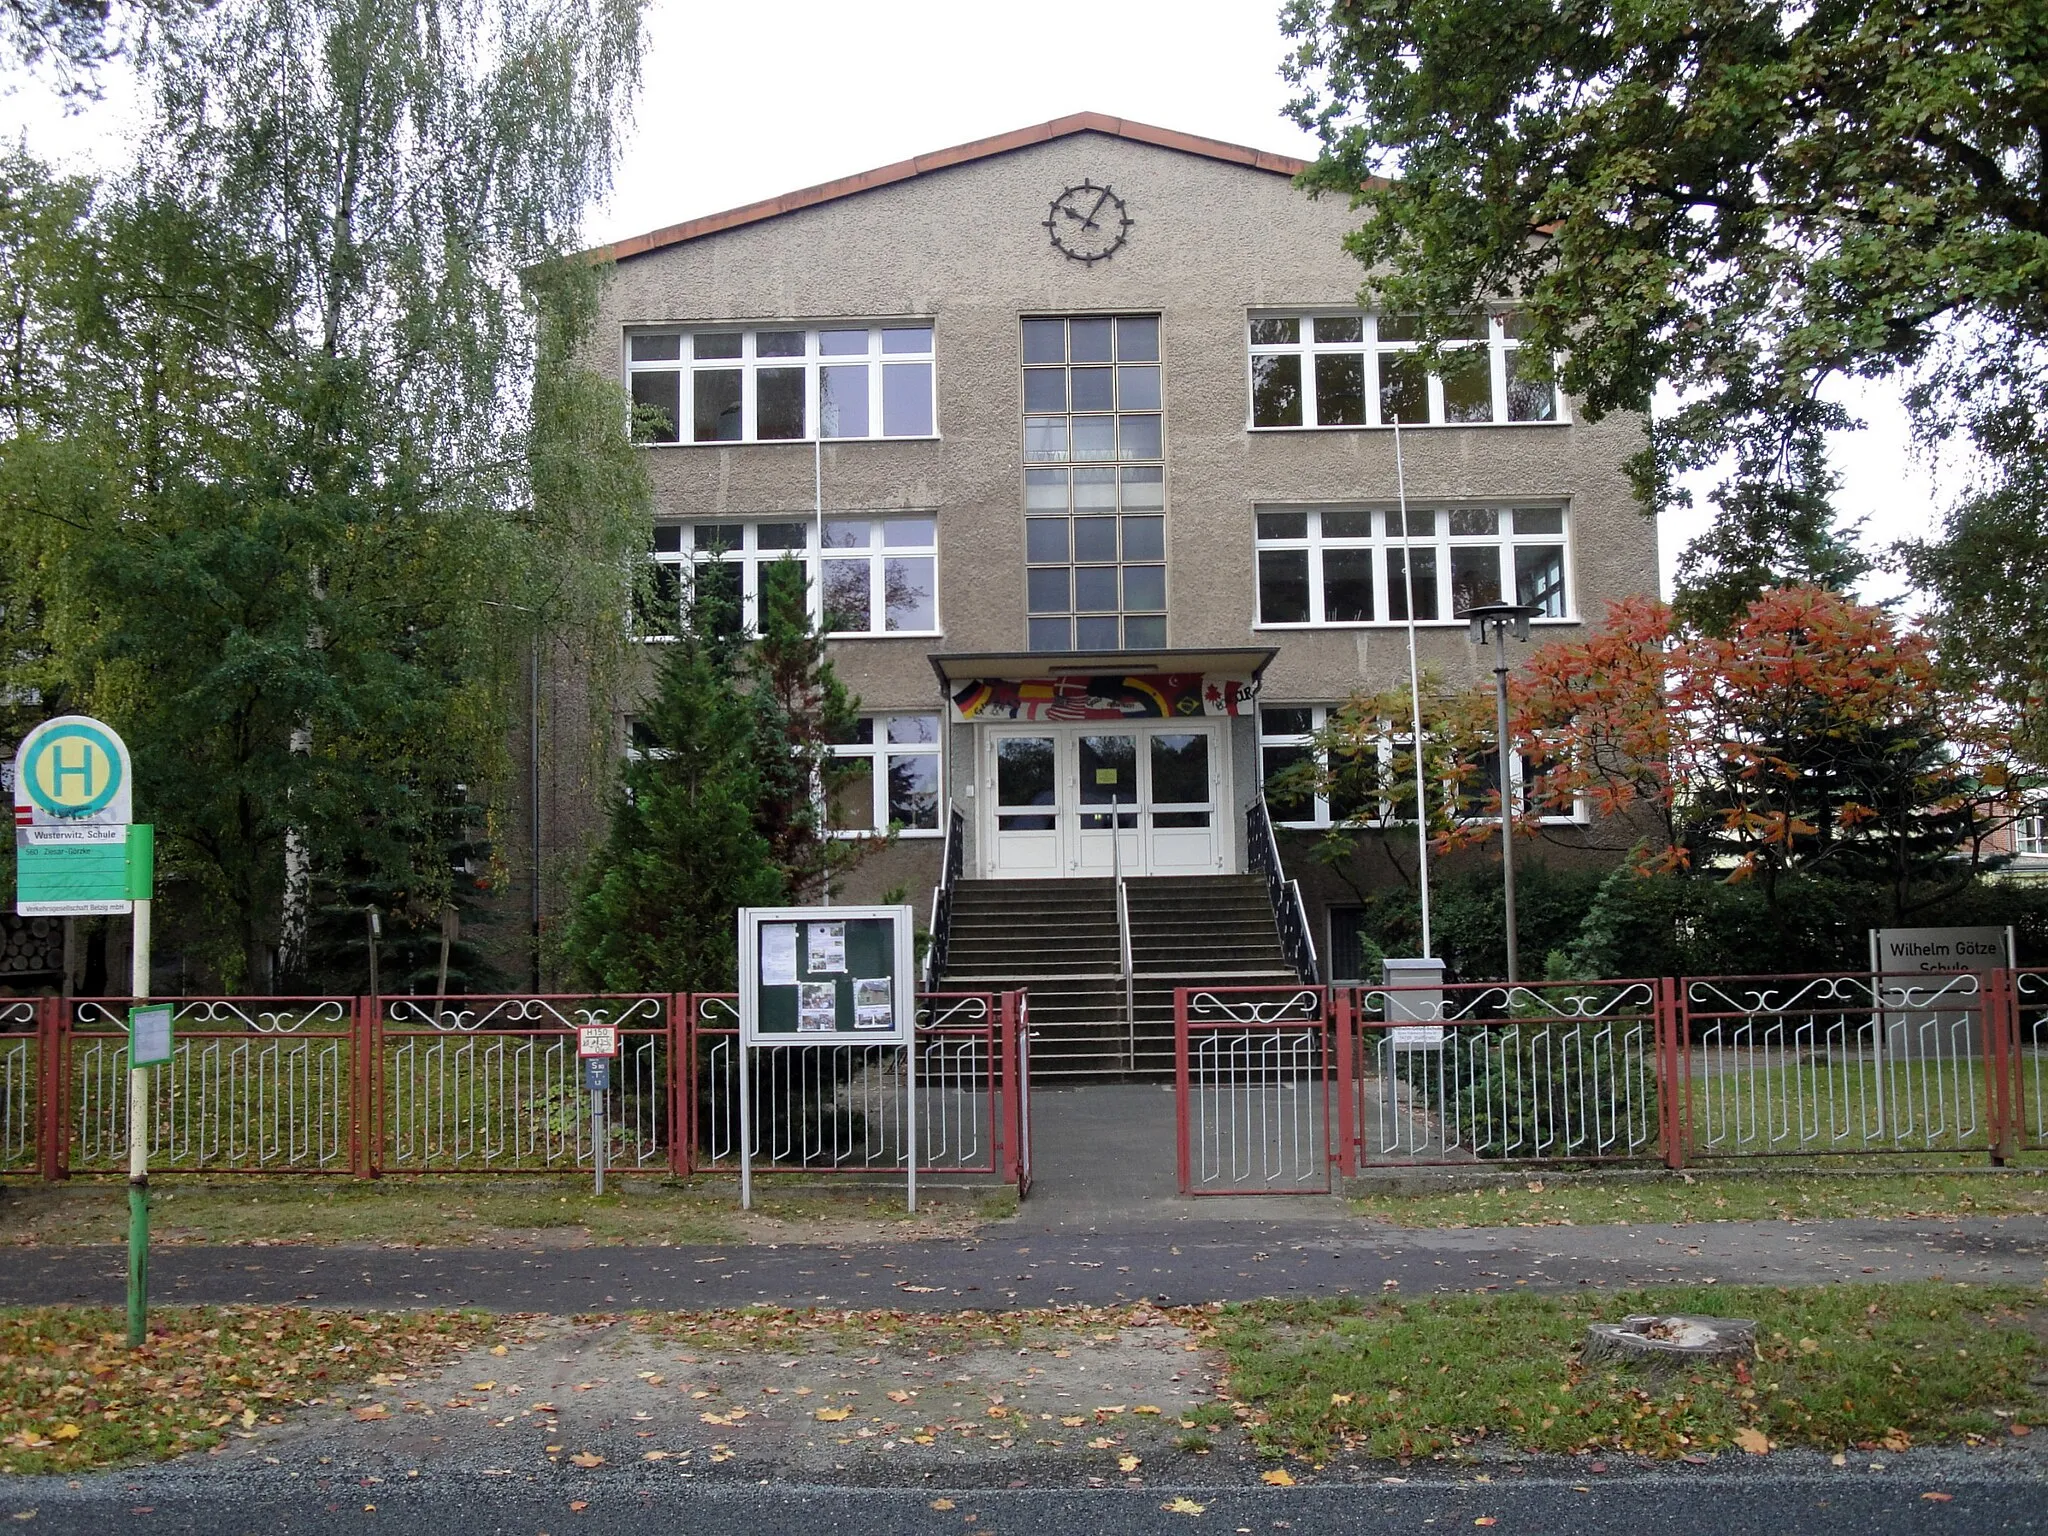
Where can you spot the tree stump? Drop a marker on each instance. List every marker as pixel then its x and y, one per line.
pixel 1671 1343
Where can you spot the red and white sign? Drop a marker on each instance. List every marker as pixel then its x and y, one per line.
pixel 597 1040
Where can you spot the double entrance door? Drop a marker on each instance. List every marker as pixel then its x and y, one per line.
pixel 1077 799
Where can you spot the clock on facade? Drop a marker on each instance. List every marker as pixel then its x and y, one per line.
pixel 1088 223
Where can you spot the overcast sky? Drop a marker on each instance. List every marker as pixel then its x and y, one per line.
pixel 742 102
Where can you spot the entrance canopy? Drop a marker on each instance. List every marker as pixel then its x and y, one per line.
pixel 1101 762
pixel 988 687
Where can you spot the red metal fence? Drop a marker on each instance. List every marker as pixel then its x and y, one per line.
pixel 1279 1087
pixel 468 1084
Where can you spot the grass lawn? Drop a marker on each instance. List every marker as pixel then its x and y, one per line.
pixel 446 1211
pixel 1874 1367
pixel 1528 1199
pixel 73 1395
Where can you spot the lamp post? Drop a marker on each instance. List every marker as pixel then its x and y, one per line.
pixel 1497 619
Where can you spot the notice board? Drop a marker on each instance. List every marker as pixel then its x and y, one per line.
pixel 826 975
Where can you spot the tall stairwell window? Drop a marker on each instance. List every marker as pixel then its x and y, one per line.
pixel 1094 484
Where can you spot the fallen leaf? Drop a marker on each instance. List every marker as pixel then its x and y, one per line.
pixel 713 1418
pixel 577 1506
pixel 1183 1506
pixel 1100 1443
pixel 71 1431
pixel 587 1459
pixel 1073 1421
pixel 500 1351
pixel 1112 1408
pixel 1145 1408
pixel 2022 1429
pixel 544 1408
pixel 482 1386
pixel 1277 1477
pixel 654 1456
pixel 942 1504
pixel 1938 1498
pixel 1339 1399
pixel 899 1396
pixel 1896 1440
pixel 1486 1520
pixel 922 1290
pixel 1127 1463
pixel 832 1415
pixel 363 1415
pixel 1754 1441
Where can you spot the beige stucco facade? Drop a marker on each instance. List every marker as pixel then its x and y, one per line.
pixel 964 247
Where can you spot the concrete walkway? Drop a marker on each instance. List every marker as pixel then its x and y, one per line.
pixel 1027 1263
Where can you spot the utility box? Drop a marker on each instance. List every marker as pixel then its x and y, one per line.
pixel 1415 1003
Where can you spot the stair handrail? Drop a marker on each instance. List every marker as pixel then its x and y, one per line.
pixel 952 859
pixel 1123 930
pixel 1290 912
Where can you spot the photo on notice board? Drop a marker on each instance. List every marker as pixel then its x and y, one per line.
pixel 778 954
pixel 873 1007
pixel 817 1008
pixel 825 947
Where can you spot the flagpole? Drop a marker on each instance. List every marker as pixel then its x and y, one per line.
pixel 1414 694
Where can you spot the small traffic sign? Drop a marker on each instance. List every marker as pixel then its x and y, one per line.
pixel 597 1073
pixel 597 1040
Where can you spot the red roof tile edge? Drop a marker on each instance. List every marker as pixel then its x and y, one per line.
pixel 938 160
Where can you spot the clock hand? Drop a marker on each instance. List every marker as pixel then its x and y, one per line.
pixel 1090 221
pixel 1073 215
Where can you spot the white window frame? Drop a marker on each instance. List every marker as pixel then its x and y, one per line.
pixel 749 555
pixel 2030 836
pixel 878 751
pixel 747 364
pixel 877 552
pixel 1381 541
pixel 1499 343
pixel 1391 744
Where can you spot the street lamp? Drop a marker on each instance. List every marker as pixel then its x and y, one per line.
pixel 1498 618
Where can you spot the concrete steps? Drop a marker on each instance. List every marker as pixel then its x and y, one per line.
pixel 1058 940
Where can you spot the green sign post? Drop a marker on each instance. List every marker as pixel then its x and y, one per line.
pixel 79 853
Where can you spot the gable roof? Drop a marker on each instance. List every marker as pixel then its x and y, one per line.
pixel 939 160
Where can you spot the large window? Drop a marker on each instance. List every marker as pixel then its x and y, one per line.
pixel 880 573
pixel 1359 565
pixel 763 386
pixel 1356 370
pixel 1094 484
pixel 897 785
pixel 1361 787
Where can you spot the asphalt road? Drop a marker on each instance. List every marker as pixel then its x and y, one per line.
pixel 1013 1265
pixel 1740 1502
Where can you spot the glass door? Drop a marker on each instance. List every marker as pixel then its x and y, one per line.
pixel 1181 831
pixel 1110 791
pixel 1026 804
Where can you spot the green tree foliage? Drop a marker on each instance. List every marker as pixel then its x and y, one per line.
pixel 683 850
pixel 275 498
pixel 1738 198
pixel 723 804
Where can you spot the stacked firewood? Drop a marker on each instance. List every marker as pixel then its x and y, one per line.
pixel 30 946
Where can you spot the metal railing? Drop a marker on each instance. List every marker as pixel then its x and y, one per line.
pixel 469 1084
pixel 254 1085
pixel 2026 1097
pixel 843 1108
pixel 21 1102
pixel 952 862
pixel 1290 912
pixel 1253 1073
pixel 1538 1071
pixel 1776 1066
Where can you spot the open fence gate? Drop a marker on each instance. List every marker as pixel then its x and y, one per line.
pixel 1281 1090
